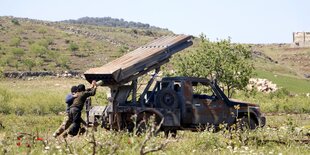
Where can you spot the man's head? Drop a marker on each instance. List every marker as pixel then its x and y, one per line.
pixel 74 89
pixel 81 88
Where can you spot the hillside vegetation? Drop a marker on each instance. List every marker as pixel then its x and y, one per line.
pixel 111 22
pixel 288 67
pixel 282 59
pixel 34 45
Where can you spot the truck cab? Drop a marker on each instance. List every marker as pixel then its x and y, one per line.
pixel 202 102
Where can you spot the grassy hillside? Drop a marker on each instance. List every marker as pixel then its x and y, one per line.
pixel 283 59
pixel 286 66
pixel 110 22
pixel 29 109
pixel 27 44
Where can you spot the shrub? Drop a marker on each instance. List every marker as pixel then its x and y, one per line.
pixel 62 61
pixel 42 31
pixel 15 21
pixel 29 63
pixel 5 98
pixel 73 47
pixel 43 42
pixel 67 41
pixel 123 49
pixel 280 93
pixel 38 50
pixel 18 52
pixel 15 41
pixel 1 72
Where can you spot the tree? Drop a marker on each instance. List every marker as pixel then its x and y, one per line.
pixel 224 61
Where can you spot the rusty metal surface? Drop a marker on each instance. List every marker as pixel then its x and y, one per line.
pixel 146 57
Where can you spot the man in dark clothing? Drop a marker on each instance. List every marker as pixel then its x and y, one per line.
pixel 77 107
pixel 67 122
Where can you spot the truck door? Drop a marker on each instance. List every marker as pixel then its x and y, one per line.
pixel 187 116
pixel 208 107
pixel 219 110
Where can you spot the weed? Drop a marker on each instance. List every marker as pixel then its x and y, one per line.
pixel 281 93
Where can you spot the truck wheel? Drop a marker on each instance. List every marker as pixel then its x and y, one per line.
pixel 105 122
pixel 246 123
pixel 147 121
pixel 167 98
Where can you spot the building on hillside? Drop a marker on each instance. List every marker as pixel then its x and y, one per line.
pixel 301 39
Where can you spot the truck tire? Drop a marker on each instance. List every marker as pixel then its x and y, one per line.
pixel 246 123
pixel 167 98
pixel 144 122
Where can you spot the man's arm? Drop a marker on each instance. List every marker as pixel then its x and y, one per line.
pixel 92 90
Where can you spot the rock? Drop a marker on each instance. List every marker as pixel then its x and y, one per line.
pixel 307 76
pixel 262 85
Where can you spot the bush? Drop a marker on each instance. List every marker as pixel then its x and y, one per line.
pixel 15 21
pixel 43 42
pixel 7 59
pixel 15 41
pixel 73 47
pixel 29 63
pixel 280 93
pixel 5 98
pixel 62 61
pixel 38 49
pixel 123 49
pixel 42 31
pixel 1 72
pixel 18 52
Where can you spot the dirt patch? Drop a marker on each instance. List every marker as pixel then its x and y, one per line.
pixel 261 55
pixel 300 60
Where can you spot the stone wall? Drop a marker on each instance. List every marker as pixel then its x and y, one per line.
pixel 21 75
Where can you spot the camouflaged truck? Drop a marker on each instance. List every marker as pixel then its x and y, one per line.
pixel 177 103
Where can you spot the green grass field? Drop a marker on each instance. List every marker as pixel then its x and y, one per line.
pixel 291 83
pixel 286 134
pixel 29 116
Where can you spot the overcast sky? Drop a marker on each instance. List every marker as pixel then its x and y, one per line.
pixel 245 21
